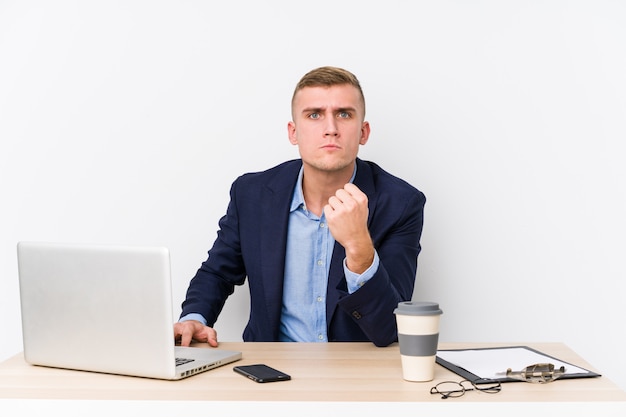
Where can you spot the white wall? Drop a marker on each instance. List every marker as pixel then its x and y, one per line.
pixel 126 122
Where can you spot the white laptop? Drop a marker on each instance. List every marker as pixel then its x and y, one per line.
pixel 104 309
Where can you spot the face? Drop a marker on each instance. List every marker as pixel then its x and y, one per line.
pixel 328 127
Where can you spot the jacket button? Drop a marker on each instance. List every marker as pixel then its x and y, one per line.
pixel 356 315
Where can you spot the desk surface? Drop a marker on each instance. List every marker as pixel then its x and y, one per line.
pixel 329 372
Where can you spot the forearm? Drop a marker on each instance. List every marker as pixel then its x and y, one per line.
pixel 371 307
pixel 397 246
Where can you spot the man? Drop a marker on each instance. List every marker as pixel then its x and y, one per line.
pixel 329 243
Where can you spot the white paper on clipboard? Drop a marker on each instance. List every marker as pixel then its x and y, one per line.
pixel 492 363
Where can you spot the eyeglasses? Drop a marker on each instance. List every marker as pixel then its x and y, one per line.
pixel 451 389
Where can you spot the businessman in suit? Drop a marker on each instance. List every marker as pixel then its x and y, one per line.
pixel 328 243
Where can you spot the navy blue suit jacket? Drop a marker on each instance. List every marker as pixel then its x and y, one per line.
pixel 251 242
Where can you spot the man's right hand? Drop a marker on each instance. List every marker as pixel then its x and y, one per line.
pixel 187 331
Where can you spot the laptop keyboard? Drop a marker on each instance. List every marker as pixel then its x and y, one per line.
pixel 182 361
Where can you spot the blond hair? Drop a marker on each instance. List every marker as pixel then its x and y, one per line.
pixel 328 77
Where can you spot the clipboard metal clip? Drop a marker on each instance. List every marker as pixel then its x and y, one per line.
pixel 538 373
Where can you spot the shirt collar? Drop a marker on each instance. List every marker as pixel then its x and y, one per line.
pixel 298 195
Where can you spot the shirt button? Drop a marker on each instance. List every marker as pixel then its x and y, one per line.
pixel 322 225
pixel 320 262
pixel 319 299
pixel 320 337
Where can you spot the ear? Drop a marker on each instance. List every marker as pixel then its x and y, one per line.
pixel 291 131
pixel 365 133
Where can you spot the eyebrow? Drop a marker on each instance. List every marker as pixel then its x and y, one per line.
pixel 321 109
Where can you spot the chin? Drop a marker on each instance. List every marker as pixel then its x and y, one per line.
pixel 331 166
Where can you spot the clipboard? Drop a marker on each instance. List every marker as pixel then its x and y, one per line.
pixel 471 363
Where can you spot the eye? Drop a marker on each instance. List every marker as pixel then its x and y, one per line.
pixel 344 115
pixel 314 116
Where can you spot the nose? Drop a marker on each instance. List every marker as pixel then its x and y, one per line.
pixel 331 127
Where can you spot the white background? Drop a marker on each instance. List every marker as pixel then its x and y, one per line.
pixel 126 122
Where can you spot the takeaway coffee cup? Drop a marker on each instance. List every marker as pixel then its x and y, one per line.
pixel 418 335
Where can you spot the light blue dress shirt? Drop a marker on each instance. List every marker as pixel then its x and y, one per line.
pixel 309 251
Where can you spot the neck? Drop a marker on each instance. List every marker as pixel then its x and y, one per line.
pixel 319 186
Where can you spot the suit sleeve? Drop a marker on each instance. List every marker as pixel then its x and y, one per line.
pixel 216 278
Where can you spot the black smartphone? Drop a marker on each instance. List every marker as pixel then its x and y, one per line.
pixel 261 373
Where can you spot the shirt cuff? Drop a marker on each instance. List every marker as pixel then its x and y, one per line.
pixel 356 281
pixel 193 316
